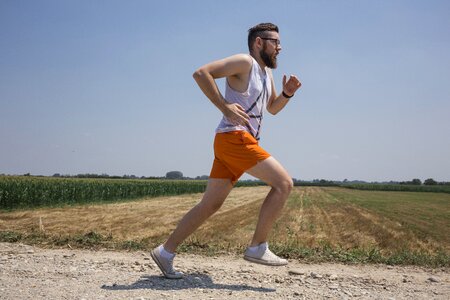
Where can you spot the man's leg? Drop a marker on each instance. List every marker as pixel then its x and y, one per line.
pixel 216 192
pixel 271 172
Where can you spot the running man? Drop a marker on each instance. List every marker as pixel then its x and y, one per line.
pixel 249 90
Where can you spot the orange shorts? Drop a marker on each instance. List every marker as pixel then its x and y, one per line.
pixel 234 153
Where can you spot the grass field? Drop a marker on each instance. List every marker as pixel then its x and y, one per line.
pixel 399 187
pixel 317 224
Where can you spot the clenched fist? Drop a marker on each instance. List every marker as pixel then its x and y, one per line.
pixel 291 85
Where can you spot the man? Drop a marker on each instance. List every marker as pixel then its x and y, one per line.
pixel 249 89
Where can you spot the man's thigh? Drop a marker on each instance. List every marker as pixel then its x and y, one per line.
pixel 217 190
pixel 270 171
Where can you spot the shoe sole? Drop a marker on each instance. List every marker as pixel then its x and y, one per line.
pixel 264 262
pixel 156 260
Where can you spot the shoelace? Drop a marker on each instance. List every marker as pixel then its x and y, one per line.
pixel 272 255
pixel 171 269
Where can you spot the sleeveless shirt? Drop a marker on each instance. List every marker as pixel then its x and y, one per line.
pixel 253 100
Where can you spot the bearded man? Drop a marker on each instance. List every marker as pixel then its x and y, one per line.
pixel 250 89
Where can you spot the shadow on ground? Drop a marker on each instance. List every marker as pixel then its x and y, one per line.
pixel 190 281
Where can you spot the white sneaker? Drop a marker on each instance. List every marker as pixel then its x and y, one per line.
pixel 264 256
pixel 165 265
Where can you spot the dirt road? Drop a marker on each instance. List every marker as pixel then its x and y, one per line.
pixel 32 273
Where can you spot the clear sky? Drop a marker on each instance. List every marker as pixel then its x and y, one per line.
pixel 106 86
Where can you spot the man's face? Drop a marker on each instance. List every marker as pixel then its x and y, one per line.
pixel 271 48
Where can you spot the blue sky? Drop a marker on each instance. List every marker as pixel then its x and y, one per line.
pixel 106 86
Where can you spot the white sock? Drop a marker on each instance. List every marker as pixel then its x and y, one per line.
pixel 255 249
pixel 164 253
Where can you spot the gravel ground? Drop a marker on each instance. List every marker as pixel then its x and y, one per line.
pixel 28 272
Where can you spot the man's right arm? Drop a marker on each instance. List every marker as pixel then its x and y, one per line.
pixel 237 65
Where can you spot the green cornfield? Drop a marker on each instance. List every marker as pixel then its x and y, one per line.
pixel 18 192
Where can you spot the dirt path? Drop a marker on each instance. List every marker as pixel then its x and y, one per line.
pixel 32 273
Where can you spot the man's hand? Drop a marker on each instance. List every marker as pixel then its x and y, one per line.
pixel 236 114
pixel 292 85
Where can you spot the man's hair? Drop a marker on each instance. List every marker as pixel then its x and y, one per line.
pixel 259 31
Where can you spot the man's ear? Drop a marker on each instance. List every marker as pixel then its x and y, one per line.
pixel 258 42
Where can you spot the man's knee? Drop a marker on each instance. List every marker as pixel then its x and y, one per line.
pixel 285 185
pixel 211 206
pixel 216 206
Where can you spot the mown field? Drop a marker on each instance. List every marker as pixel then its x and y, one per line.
pixel 317 224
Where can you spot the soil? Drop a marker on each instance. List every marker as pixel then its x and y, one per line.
pixel 28 272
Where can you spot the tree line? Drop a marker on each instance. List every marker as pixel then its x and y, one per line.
pixel 178 175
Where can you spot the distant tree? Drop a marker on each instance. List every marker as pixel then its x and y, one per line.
pixel 56 175
pixel 430 181
pixel 174 175
pixel 203 177
pixel 27 174
pixel 416 181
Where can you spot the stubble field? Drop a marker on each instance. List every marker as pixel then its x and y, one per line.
pixel 317 224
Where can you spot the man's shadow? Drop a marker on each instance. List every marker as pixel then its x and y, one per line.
pixel 190 281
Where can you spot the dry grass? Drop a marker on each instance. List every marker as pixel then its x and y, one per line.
pixel 314 218
pixel 328 219
pixel 144 219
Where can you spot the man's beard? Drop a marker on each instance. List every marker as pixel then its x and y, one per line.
pixel 269 61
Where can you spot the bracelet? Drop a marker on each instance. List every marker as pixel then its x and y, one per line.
pixel 286 96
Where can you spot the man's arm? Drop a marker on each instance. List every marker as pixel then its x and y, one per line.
pixel 277 102
pixel 234 66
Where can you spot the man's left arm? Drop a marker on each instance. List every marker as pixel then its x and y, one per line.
pixel 277 102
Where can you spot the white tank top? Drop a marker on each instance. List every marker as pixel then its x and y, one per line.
pixel 253 100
